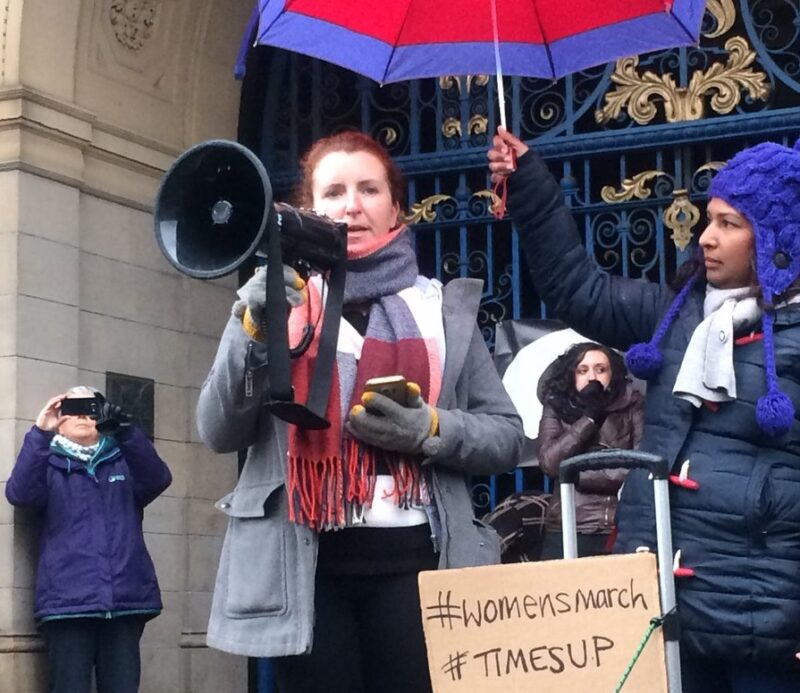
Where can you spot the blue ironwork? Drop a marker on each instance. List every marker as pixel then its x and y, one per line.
pixel 439 130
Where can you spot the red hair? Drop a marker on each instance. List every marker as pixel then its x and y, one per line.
pixel 349 141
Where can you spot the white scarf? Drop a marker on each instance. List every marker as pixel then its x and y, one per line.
pixel 82 452
pixel 706 372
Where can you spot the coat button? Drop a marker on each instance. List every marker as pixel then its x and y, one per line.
pixel 224 506
pixel 722 336
pixel 781 260
pixel 306 541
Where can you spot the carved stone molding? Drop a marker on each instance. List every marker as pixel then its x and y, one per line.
pixel 724 82
pixel 4 9
pixel 132 42
pixel 15 643
pixel 61 142
pixel 132 21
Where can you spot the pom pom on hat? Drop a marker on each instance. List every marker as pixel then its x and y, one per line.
pixel 775 413
pixel 644 360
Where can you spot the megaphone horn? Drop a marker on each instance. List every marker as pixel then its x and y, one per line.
pixel 213 211
pixel 214 208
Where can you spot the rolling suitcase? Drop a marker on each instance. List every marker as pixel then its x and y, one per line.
pixel 569 472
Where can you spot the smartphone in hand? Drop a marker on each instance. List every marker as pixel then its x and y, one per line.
pixel 391 386
pixel 80 406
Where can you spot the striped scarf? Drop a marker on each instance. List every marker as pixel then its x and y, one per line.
pixel 331 476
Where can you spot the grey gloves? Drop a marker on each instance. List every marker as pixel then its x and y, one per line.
pixel 381 422
pixel 249 308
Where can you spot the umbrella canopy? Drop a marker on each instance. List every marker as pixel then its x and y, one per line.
pixel 409 39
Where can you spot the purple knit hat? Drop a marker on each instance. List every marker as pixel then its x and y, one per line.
pixel 763 184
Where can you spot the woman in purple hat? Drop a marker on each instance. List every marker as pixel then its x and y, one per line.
pixel 721 353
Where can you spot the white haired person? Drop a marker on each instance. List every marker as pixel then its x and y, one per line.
pixel 721 353
pixel 89 475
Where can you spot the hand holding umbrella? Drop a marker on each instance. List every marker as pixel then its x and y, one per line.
pixel 506 148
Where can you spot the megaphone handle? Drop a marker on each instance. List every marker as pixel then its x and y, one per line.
pixel 278 368
pixel 320 387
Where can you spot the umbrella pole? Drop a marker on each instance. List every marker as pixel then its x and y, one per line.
pixel 501 94
pixel 501 98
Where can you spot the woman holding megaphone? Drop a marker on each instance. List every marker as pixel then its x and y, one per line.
pixel 329 528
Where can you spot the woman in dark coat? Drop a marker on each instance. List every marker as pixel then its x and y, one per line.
pixel 89 480
pixel 588 404
pixel 721 352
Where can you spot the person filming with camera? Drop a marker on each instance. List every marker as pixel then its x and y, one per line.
pixel 88 474
pixel 329 529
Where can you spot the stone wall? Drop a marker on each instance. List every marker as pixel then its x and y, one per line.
pixel 96 99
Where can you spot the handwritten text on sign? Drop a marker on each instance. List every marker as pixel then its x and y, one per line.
pixel 552 626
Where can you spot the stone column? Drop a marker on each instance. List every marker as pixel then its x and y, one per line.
pixel 96 99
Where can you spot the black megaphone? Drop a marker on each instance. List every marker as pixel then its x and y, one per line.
pixel 214 210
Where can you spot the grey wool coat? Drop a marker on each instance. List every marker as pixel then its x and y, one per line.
pixel 263 604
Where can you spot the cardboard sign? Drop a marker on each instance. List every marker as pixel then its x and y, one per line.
pixel 547 626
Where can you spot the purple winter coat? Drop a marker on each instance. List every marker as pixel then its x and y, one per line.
pixel 92 555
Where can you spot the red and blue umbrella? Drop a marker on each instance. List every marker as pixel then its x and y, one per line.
pixel 392 40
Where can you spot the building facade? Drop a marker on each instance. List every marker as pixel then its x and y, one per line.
pixel 97 97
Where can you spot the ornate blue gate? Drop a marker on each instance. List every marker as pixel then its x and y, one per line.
pixel 634 144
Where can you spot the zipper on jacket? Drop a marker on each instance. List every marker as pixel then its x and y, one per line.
pixel 248 374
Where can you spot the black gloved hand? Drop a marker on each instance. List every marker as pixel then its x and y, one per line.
pixel 112 418
pixel 592 400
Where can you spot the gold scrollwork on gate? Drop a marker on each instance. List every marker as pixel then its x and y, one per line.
pixel 424 210
pixel 451 127
pixel 494 200
pixel 477 125
pixel 711 166
pixel 723 81
pixel 387 136
pixel 680 217
pixel 447 82
pixel 725 14
pixel 630 188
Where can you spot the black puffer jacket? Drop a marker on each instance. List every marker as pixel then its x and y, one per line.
pixel 596 491
pixel 739 531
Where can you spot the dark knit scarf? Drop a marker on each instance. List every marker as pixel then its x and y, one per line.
pixel 331 476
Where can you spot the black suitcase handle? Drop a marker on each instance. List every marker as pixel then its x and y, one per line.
pixel 570 468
